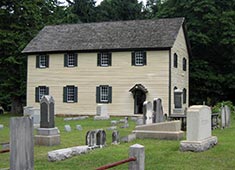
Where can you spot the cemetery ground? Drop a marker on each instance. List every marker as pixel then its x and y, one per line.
pixel 159 154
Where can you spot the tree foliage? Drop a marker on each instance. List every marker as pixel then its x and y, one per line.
pixel 210 25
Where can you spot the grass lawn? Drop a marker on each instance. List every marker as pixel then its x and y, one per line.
pixel 159 154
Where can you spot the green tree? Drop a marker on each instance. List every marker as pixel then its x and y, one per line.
pixel 116 10
pixel 20 20
pixel 211 30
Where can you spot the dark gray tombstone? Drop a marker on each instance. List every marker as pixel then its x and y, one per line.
pixel 96 138
pixel 157 111
pixel 115 137
pixel 47 112
pixel 21 144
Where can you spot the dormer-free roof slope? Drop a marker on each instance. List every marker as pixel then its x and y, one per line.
pixel 119 35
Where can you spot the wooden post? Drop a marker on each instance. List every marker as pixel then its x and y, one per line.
pixel 21 144
pixel 138 152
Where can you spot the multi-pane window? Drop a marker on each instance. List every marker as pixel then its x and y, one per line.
pixel 175 60
pixel 42 61
pixel 104 94
pixel 104 59
pixel 139 58
pixel 40 91
pixel 70 60
pixel 70 94
pixel 184 64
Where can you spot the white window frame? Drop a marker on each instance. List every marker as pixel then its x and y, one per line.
pixel 42 61
pixel 71 60
pixel 42 91
pixel 139 58
pixel 70 94
pixel 104 59
pixel 104 94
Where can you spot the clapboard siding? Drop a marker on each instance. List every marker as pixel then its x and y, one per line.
pixel 180 78
pixel 122 76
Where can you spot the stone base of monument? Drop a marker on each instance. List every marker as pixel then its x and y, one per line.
pixel 101 117
pixel 164 130
pixel 198 146
pixel 47 136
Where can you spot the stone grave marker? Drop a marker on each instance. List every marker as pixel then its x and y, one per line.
pixel 227 115
pixel 67 128
pixel 96 138
pixel 102 112
pixel 115 137
pixel 157 110
pixel 79 127
pixel 21 143
pixel 1 126
pixel 198 136
pixel 47 134
pixel 223 117
pixel 148 114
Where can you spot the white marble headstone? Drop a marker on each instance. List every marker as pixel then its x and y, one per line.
pixel 198 123
pixel 148 113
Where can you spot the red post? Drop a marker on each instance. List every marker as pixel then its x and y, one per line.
pixel 116 163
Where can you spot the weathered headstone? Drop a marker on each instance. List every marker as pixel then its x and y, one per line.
pixel 198 130
pixel 115 137
pixel 114 122
pixel 96 138
pixel 47 112
pixel 35 113
pixel 126 124
pixel 26 111
pixel 101 112
pixel 148 114
pixel 1 126
pixel 227 115
pixel 79 127
pixel 21 144
pixel 67 128
pixel 223 116
pixel 112 128
pixel 157 110
pixel 47 134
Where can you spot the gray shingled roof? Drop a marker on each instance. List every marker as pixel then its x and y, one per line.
pixel 120 35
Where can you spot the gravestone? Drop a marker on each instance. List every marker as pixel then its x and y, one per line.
pixel 67 128
pixel 225 116
pixel 115 137
pixel 148 114
pixel 223 124
pixel 79 127
pixel 178 101
pixel 198 136
pixel 47 112
pixel 126 124
pixel 157 110
pixel 102 112
pixel 34 113
pixel 96 138
pixel 26 111
pixel 1 126
pixel 21 143
pixel 47 134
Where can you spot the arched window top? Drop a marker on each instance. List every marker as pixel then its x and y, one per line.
pixel 175 60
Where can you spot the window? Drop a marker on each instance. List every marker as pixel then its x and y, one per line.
pixel 139 58
pixel 104 59
pixel 175 60
pixel 184 96
pixel 40 91
pixel 104 94
pixel 70 60
pixel 70 94
pixel 184 64
pixel 42 61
